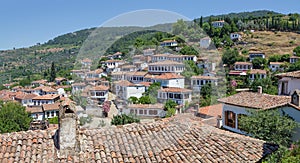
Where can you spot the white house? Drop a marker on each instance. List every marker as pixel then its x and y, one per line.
pixel 79 73
pixel 145 110
pixel 172 57
pixel 99 93
pixel 98 73
pixel 276 66
pixel 198 81
pixel 86 63
pixel 38 83
pixel 117 55
pixel 166 66
pixel 25 99
pixel 218 24
pixel 294 59
pixel 135 77
pixel 45 99
pixel 78 87
pixel 51 110
pixel 44 90
pixel 36 112
pixel 128 68
pixel 112 65
pixel 238 105
pixel 205 42
pixel 125 89
pixel 179 95
pixel 169 43
pixel 170 80
pixel 235 36
pixel 116 76
pixel 242 66
pixel 148 52
pixel 253 55
pixel 257 73
pixel 288 82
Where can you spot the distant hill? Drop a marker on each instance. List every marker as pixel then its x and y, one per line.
pixel 65 49
pixel 243 15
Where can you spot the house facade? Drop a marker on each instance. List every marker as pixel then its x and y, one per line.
pixel 125 89
pixel 205 42
pixel 235 36
pixel 242 66
pixel 25 99
pixel 145 110
pixel 99 93
pixel 218 24
pixel 288 82
pixel 294 59
pixel 238 105
pixel 169 43
pixel 276 66
pixel 45 99
pixel 135 77
pixel 253 55
pixel 179 95
pixel 166 66
pixel 257 73
pixel 197 82
pixel 170 80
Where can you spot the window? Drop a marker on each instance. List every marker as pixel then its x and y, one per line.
pixel 48 114
pixel 131 111
pixel 52 114
pixel 230 119
pixel 57 113
pixel 140 111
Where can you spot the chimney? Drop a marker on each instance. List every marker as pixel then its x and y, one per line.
pixel 259 89
pixel 68 132
pixel 296 97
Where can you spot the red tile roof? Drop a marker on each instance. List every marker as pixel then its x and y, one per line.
pixel 293 74
pixel 166 62
pixel 125 83
pixel 46 97
pixel 276 63
pixel 50 107
pixel 257 71
pixel 25 96
pixel 174 89
pixel 166 76
pixel 256 100
pixel 99 88
pixel 176 139
pixel 205 77
pixel 146 106
pixel 242 63
pixel 212 110
pixel 34 109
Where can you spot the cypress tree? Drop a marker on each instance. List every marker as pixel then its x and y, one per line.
pixel 52 72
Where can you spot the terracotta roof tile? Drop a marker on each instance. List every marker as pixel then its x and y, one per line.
pixel 276 63
pixel 257 71
pixel 148 106
pixel 25 96
pixel 166 62
pixel 46 97
pixel 99 88
pixel 167 76
pixel 204 77
pixel 212 110
pixel 256 100
pixel 48 107
pixel 294 74
pixel 242 63
pixel 176 139
pixel 174 89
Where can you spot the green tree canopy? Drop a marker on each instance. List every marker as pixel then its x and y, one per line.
pixel 297 50
pixel 179 27
pixel 170 108
pixel 124 119
pixel 133 99
pixel 259 63
pixel 230 56
pixel 269 125
pixel 13 117
pixel 268 85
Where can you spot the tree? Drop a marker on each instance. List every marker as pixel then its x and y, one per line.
pixel 229 57
pixel 124 119
pixel 269 125
pixel 170 108
pixel 191 69
pixel 52 72
pixel 201 22
pixel 179 27
pixel 297 51
pixel 133 99
pixel 206 91
pixel 268 85
pixel 259 63
pixel 188 50
pixel 13 117
pixel 146 99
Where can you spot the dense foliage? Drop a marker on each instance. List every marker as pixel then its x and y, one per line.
pixel 13 117
pixel 269 125
pixel 170 108
pixel 124 119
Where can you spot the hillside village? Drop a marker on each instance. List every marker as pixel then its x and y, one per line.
pixel 196 100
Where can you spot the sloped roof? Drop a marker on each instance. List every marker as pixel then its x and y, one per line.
pixel 174 89
pixel 257 71
pixel 256 100
pixel 49 107
pixel 99 88
pixel 294 74
pixel 204 77
pixel 46 97
pixel 25 96
pixel 176 139
pixel 166 62
pixel 242 63
pixel 169 76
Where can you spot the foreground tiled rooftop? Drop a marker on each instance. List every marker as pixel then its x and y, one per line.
pixel 177 139
pixel 294 74
pixel 256 100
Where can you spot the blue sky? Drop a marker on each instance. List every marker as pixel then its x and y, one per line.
pixel 25 23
